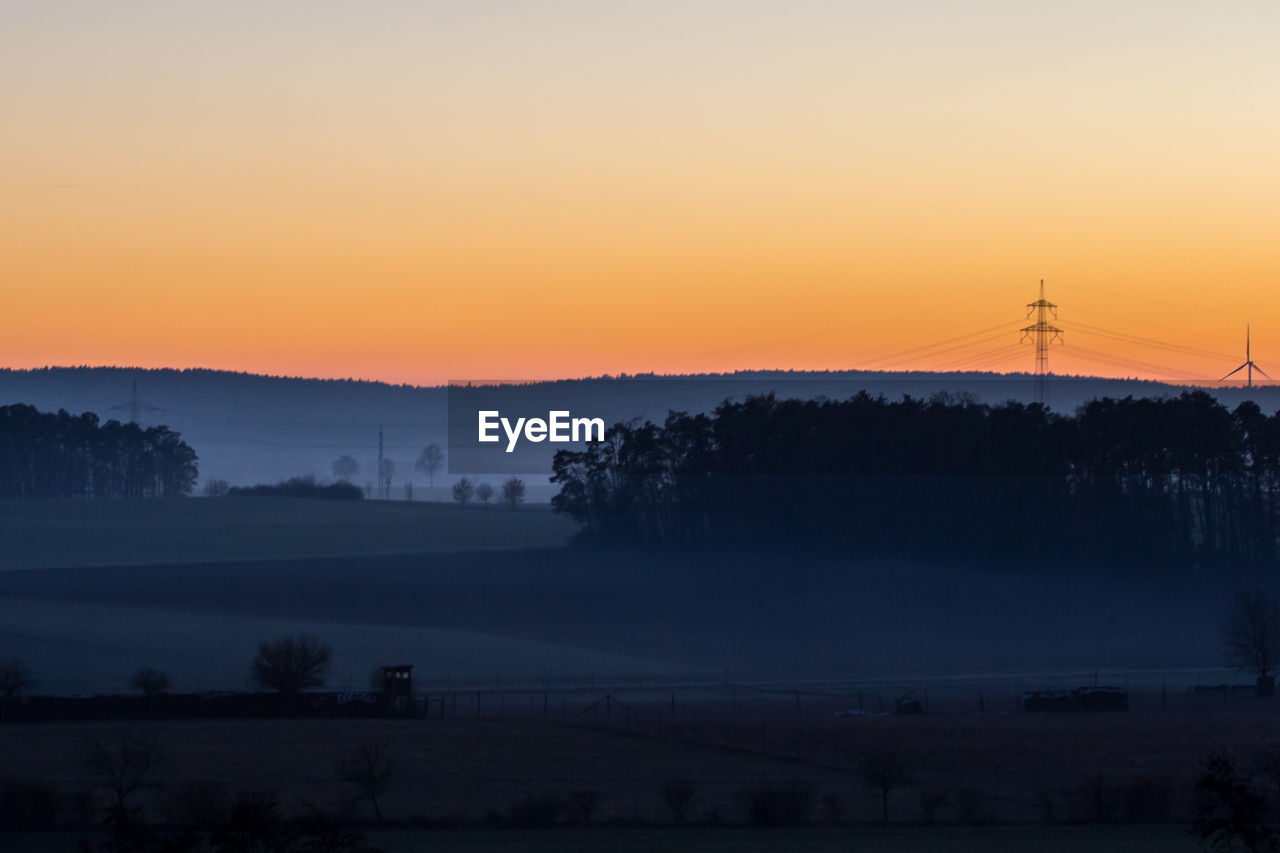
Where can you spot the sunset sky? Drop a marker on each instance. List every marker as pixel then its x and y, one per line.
pixel 419 191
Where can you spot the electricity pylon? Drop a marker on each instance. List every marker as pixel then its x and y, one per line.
pixel 135 406
pixel 1043 334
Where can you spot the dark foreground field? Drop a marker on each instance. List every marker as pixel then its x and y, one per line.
pixel 981 839
pixel 1001 781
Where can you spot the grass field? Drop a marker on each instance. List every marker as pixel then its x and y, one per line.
pixel 994 769
pixel 68 533
pixel 484 599
pixel 985 839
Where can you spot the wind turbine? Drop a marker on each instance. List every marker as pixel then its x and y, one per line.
pixel 1248 363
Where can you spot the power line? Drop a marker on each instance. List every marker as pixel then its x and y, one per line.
pixel 1129 337
pixel 918 356
pixel 924 348
pixel 1126 362
pixel 1003 353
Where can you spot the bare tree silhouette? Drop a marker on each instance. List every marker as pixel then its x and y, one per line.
pixel 1251 634
pixel 123 768
pixel 345 467
pixel 150 681
pixel 429 462
pixel 15 679
pixel 883 771
pixel 463 490
pixel 370 768
pixel 513 492
pixel 292 664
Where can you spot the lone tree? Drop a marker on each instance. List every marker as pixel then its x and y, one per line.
pixel 1251 634
pixel 123 768
pixel 513 492
pixel 370 769
pixel 883 771
pixel 484 493
pixel 15 679
pixel 429 462
pixel 463 490
pixel 150 681
pixel 345 467
pixel 678 794
pixel 292 664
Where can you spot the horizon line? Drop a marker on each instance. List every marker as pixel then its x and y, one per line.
pixel 1018 375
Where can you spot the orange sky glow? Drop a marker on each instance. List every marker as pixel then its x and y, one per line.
pixel 415 192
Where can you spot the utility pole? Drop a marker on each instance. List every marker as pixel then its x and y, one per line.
pixel 134 405
pixel 1043 334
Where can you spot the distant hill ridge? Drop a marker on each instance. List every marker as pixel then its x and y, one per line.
pixel 250 428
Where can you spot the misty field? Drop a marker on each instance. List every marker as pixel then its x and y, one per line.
pixel 558 672
pixel 547 615
pixel 64 533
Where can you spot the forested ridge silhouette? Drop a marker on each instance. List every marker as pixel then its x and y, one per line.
pixel 47 455
pixel 1175 481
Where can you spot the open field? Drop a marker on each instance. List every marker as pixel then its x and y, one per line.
pixel 978 839
pixel 1011 781
pixel 728 670
pixel 1002 839
pixel 66 533
pixel 486 616
pixel 986 839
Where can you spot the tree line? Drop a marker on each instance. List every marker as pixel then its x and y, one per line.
pixel 47 455
pixel 1181 480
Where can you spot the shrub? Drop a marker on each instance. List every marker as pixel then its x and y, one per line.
pixel 1231 812
pixel 216 488
pixel 28 805
pixel 581 806
pixel 197 804
pixel 1149 799
pixel 931 802
pixel 150 681
pixel 786 805
pixel 301 487
pixel 971 806
pixel 678 794
pixel 15 678
pixel 292 664
pixel 535 812
pixel 1097 799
